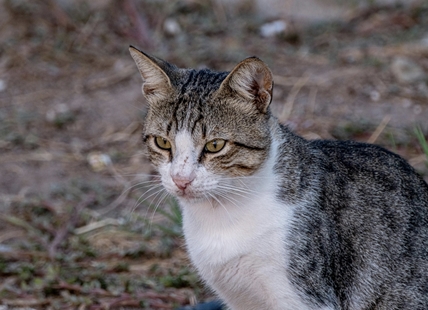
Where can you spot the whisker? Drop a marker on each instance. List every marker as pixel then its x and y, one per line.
pixel 140 175
pixel 224 195
pixel 238 191
pixel 142 184
pixel 162 198
pixel 219 202
pixel 245 177
pixel 209 200
pixel 140 199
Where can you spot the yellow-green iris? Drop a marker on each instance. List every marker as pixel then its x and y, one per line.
pixel 215 145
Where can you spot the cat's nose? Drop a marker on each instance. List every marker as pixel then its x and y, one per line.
pixel 183 181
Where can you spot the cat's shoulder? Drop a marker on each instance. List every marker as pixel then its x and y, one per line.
pixel 358 153
pixel 368 164
pixel 350 148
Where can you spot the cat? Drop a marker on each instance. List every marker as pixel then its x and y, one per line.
pixel 273 221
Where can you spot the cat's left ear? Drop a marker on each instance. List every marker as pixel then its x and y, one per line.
pixel 252 80
pixel 155 73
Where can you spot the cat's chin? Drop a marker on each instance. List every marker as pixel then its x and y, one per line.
pixel 190 198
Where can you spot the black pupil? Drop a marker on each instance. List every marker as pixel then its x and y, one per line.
pixel 215 144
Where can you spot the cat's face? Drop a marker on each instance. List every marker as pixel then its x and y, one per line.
pixel 205 131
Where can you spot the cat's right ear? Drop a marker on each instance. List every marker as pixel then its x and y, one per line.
pixel 252 80
pixel 156 82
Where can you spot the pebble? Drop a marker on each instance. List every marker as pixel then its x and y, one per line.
pixel 407 71
pixel 2 85
pixel 273 28
pixel 374 95
pixel 98 161
pixel 171 27
pixel 417 109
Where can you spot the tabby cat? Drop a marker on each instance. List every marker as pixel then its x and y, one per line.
pixel 273 221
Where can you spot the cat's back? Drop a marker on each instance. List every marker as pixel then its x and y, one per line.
pixel 369 169
pixel 372 211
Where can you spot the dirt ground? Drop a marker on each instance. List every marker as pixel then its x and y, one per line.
pixel 80 227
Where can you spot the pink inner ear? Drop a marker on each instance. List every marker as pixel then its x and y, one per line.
pixel 263 80
pixel 261 89
pixel 148 89
pixel 252 80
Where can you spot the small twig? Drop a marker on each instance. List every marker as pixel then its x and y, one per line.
pixel 23 255
pixel 220 12
pixel 312 99
pixel 60 16
pixel 25 302
pixel 417 160
pixel 110 80
pixel 31 231
pixel 64 231
pixel 79 289
pixel 141 28
pixel 379 129
pixel 289 103
pixel 96 225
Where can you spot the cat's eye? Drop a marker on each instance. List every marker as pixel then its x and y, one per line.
pixel 163 143
pixel 215 146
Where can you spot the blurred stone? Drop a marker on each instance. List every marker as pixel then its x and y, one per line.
pixel 407 103
pixel 98 161
pixel 406 71
pixel 273 28
pixel 2 85
pixel 60 115
pixel 417 109
pixel 374 95
pixel 424 40
pixel 171 27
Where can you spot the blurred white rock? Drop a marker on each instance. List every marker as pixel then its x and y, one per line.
pixel 171 27
pixel 273 28
pixel 2 85
pixel 407 71
pixel 98 161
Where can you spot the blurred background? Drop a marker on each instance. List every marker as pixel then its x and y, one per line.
pixel 81 225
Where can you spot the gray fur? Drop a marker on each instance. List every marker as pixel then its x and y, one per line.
pixel 359 239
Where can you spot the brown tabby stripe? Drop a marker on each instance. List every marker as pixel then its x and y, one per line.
pixel 253 148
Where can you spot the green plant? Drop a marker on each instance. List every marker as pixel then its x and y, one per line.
pixel 171 226
pixel 173 214
pixel 422 141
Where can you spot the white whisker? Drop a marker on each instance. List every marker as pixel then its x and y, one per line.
pixel 164 195
pixel 224 195
pixel 222 205
pixel 140 199
pixel 238 190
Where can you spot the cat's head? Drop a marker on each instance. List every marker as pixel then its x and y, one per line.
pixel 205 130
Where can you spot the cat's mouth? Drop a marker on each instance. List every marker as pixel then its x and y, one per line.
pixel 188 195
pixel 185 193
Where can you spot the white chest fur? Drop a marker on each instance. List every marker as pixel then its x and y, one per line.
pixel 243 256
pixel 239 247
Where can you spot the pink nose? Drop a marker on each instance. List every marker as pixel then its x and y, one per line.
pixel 183 182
